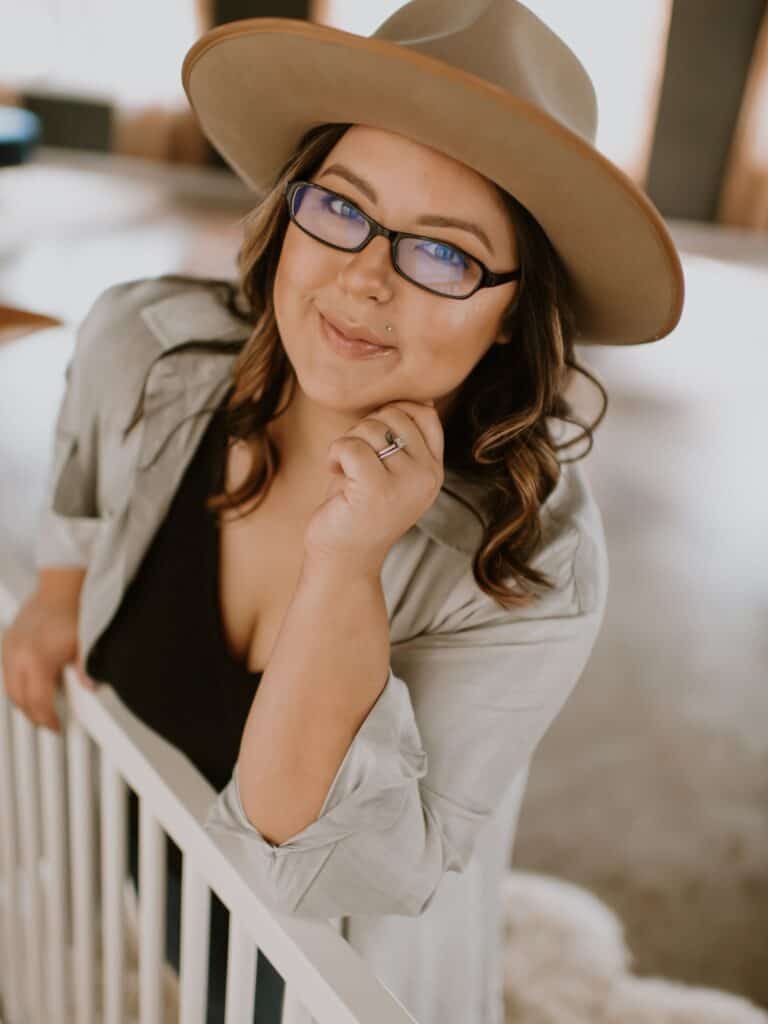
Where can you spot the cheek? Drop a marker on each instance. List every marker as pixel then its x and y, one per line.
pixel 481 326
pixel 293 282
pixel 435 354
pixel 288 267
pixel 452 340
pixel 285 295
pixel 454 336
pixel 303 265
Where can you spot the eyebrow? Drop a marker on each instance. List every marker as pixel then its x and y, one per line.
pixel 435 221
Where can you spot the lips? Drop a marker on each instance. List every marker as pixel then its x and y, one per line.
pixel 351 348
pixel 354 332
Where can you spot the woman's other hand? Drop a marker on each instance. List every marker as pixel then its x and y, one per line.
pixel 372 502
pixel 36 647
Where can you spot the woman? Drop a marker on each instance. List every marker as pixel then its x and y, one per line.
pixel 408 576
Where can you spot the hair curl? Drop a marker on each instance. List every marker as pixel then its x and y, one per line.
pixel 496 430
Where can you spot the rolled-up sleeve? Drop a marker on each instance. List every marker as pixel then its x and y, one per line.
pixel 459 718
pixel 375 782
pixel 70 521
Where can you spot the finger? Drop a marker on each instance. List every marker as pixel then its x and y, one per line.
pixel 40 713
pixel 419 425
pixel 85 680
pixel 414 467
pixel 357 460
pixel 10 669
pixel 373 429
pixel 40 698
pixel 49 721
pixel 14 686
pixel 426 419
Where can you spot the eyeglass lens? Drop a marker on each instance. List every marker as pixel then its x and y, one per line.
pixel 426 261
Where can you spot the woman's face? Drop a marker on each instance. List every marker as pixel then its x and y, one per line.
pixel 436 341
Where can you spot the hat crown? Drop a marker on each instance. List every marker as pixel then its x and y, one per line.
pixel 504 43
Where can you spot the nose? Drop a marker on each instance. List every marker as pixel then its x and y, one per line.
pixel 369 273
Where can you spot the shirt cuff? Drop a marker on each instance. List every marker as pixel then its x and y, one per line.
pixel 367 794
pixel 65 540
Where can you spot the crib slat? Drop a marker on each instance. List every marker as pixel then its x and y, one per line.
pixel 241 974
pixel 81 841
pixel 151 915
pixel 11 910
pixel 53 775
pixel 27 787
pixel 113 866
pixel 294 1011
pixel 195 922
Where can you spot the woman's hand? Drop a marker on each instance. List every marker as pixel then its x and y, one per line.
pixel 40 641
pixel 372 502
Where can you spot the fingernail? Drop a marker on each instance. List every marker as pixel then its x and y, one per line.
pixel 86 680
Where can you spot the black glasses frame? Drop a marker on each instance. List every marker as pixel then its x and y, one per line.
pixel 488 278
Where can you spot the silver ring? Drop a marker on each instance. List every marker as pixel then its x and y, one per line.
pixel 395 444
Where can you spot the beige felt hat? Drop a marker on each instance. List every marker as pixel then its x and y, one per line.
pixel 487 83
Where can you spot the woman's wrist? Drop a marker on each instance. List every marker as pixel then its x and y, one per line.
pixel 60 586
pixel 332 570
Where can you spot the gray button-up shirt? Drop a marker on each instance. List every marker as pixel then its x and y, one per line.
pixel 416 831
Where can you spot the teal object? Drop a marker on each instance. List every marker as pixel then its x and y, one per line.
pixel 20 132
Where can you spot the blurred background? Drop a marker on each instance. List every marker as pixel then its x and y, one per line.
pixel 651 789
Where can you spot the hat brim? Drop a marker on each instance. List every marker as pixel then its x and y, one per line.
pixel 258 85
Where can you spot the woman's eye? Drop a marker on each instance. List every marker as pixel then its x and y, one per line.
pixel 444 253
pixel 342 208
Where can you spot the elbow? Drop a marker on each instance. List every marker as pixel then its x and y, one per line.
pixel 384 857
pixel 394 871
pixel 391 871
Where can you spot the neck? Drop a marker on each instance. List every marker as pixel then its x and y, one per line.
pixel 304 431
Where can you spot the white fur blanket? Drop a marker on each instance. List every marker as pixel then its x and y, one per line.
pixel 566 962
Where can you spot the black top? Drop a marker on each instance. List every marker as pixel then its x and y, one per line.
pixel 164 651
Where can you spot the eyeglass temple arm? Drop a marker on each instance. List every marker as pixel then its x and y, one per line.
pixel 493 279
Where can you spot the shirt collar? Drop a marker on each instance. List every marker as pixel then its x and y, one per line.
pixel 193 315
pixel 199 317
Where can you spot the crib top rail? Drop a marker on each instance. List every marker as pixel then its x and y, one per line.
pixel 334 982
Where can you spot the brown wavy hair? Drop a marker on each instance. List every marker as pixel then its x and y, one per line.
pixel 496 431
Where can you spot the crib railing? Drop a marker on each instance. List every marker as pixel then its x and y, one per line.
pixel 65 910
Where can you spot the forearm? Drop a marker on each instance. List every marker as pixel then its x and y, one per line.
pixel 60 585
pixel 329 665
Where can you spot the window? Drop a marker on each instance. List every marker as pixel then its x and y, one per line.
pixel 112 50
pixel 622 46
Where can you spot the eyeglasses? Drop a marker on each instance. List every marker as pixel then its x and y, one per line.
pixel 429 263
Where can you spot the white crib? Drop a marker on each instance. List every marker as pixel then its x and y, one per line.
pixel 72 949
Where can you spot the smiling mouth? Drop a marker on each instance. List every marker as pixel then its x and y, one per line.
pixel 350 345
pixel 351 337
